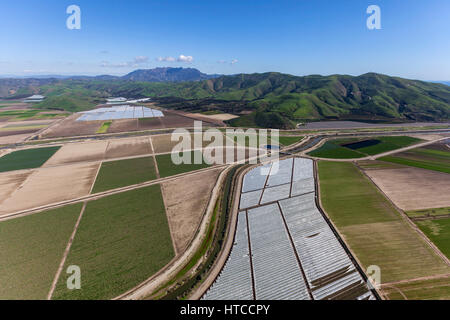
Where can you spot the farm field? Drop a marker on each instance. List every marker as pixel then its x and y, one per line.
pixel 168 168
pixel 128 147
pixel 243 140
pixel 26 159
pixel 28 114
pixel 122 240
pixel 150 124
pixel 430 158
pixel 123 125
pixel 372 228
pixel 51 185
pixel 31 249
pixel 350 148
pixel 186 205
pixel 104 128
pixel 332 150
pixel 436 212
pixel 433 289
pixel 430 188
pixel 79 152
pixel 28 125
pixel 287 141
pixel 70 127
pixel 13 138
pixel 376 165
pixel 164 143
pixel 10 181
pixel 122 173
pixel 228 155
pixel 438 230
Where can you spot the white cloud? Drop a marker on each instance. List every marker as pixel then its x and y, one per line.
pixel 166 59
pixel 137 61
pixel 183 58
pixel 231 62
pixel 106 64
pixel 140 59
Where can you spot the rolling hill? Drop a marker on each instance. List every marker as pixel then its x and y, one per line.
pixel 167 75
pixel 265 100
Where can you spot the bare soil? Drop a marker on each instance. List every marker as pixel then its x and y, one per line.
pixel 51 185
pixel 186 199
pixel 221 116
pixel 10 181
pixel 70 127
pixel 150 124
pixel 128 147
pixel 413 188
pixel 13 138
pixel 164 143
pixel 17 132
pixel 173 120
pixel 78 152
pixel 124 125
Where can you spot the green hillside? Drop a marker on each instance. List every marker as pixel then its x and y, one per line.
pixel 269 99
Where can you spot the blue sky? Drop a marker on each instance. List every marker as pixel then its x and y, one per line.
pixel 297 37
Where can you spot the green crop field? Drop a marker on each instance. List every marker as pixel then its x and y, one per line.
pixel 333 150
pixel 372 228
pixel 26 159
pixel 20 114
pixel 435 212
pixel 385 144
pixel 433 289
pixel 167 168
pixel 424 158
pixel 439 232
pixel 349 198
pixel 122 173
pixel 358 147
pixel 104 127
pixel 122 240
pixel 31 249
pixel 287 141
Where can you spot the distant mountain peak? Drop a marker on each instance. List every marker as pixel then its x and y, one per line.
pixel 168 74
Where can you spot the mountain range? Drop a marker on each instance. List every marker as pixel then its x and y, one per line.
pixel 262 99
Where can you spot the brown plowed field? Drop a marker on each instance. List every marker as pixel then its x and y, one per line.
pixel 128 147
pixel 51 185
pixel 164 143
pixel 8 133
pixel 10 181
pixel 14 138
pixel 185 200
pixel 78 152
pixel 70 127
pixel 150 124
pixel 413 188
pixel 124 125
